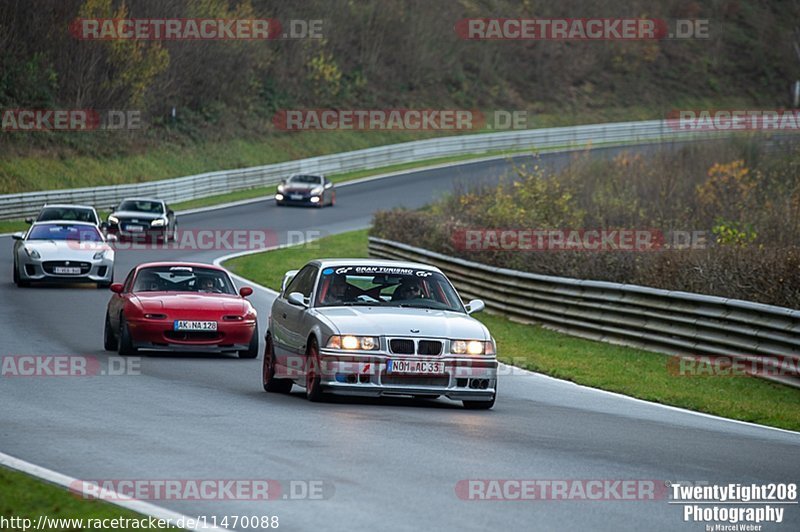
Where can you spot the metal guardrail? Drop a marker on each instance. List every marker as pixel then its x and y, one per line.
pixel 676 323
pixel 15 206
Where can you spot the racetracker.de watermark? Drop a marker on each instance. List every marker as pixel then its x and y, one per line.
pixel 208 489
pixel 68 366
pixel 378 119
pixel 568 239
pixel 734 366
pixel 70 120
pixel 580 29
pixel 734 119
pixel 560 490
pixel 203 240
pixel 194 29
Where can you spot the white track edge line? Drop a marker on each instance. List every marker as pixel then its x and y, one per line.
pixel 68 482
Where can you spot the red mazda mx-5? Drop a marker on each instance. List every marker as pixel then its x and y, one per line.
pixel 172 306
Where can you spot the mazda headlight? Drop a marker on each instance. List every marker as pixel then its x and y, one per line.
pixel 471 347
pixel 160 222
pixel 32 253
pixel 351 343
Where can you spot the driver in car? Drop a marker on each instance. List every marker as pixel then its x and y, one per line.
pixel 339 291
pixel 206 284
pixel 409 289
pixel 148 283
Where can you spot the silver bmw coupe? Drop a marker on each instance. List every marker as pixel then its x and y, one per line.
pixel 378 328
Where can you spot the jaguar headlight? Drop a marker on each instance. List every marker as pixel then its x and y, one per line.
pixel 99 255
pixel 32 253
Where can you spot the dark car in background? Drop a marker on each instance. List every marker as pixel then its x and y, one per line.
pixel 306 189
pixel 143 218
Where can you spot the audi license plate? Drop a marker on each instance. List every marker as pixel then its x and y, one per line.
pixel 188 325
pixel 417 367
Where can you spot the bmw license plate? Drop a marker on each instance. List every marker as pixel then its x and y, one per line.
pixel 67 270
pixel 296 197
pixel 417 367
pixel 188 325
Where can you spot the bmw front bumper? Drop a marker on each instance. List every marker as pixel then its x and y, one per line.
pixel 464 378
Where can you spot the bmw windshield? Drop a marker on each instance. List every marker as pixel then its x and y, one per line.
pixel 386 287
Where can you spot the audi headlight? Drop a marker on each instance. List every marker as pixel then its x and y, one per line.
pixel 350 343
pixel 316 191
pixel 471 347
pixel 113 220
pixel 160 222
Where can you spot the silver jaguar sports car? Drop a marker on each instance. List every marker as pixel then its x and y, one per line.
pixel 62 252
pixel 378 328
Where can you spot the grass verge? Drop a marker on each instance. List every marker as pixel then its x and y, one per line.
pixel 25 497
pixel 267 269
pixel 634 372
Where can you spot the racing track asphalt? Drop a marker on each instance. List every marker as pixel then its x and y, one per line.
pixel 393 464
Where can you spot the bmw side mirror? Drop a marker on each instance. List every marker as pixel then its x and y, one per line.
pixel 476 305
pixel 18 236
pixel 287 278
pixel 297 299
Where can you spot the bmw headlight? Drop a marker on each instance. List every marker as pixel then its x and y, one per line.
pixel 32 253
pixel 316 191
pixel 351 343
pixel 471 347
pixel 113 220
pixel 159 222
